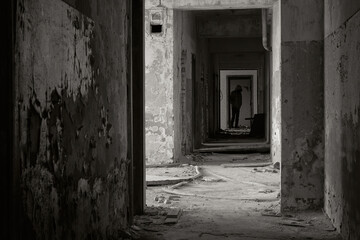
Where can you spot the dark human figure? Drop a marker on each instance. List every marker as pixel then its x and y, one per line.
pixel 236 102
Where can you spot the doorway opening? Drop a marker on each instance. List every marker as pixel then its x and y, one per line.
pixel 244 128
pixel 245 84
pixel 186 121
pixel 191 70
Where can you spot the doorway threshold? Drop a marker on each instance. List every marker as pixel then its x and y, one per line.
pixel 239 148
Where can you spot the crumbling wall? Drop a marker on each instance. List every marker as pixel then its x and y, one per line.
pixel 302 104
pixel 159 89
pixel 70 119
pixel 342 108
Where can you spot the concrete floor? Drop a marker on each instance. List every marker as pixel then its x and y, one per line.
pixel 229 203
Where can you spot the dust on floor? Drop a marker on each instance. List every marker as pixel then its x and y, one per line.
pixel 227 203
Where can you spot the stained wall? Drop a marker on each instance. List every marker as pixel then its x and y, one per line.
pixel 174 93
pixel 302 104
pixel 185 54
pixel 71 117
pixel 342 128
pixel 275 83
pixel 159 87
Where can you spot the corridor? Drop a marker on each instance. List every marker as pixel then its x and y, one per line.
pixel 98 96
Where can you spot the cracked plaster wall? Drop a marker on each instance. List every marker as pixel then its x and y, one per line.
pixel 170 134
pixel 302 104
pixel 342 107
pixel 70 118
pixel 159 88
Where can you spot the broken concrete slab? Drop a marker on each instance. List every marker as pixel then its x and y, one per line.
pixel 166 177
pixel 170 221
pixel 174 213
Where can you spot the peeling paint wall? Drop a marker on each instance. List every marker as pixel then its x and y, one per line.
pixel 190 33
pixel 302 104
pixel 159 87
pixel 276 84
pixel 70 120
pixel 342 108
pixel 191 89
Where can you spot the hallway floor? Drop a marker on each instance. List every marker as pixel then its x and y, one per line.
pixel 228 203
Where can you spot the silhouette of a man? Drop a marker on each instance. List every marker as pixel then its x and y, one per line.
pixel 236 102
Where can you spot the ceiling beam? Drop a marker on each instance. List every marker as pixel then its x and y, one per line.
pixel 210 4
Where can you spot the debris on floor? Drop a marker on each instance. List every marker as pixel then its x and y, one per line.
pixel 270 213
pixel 166 199
pixel 266 191
pixel 234 165
pixel 295 223
pixel 196 157
pixel 169 176
pixel 263 170
pixel 254 157
pixel 211 179
pixel 241 205
pixel 156 218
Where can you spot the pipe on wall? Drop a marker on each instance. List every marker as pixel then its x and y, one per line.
pixel 264 30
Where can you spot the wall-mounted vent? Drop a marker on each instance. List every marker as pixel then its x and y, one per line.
pixel 156 16
pixel 156 28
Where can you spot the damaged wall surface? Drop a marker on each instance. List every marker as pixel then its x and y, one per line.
pixel 185 46
pixel 302 107
pixel 342 109
pixel 276 84
pixel 71 117
pixel 159 89
pixel 211 4
pixel 175 93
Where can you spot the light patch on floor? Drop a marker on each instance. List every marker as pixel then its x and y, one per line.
pixel 227 203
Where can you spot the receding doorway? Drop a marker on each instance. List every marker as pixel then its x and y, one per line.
pixel 229 79
pixel 246 110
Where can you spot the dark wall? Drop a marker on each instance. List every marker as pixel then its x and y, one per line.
pixel 302 105
pixel 71 121
pixel 342 108
pixel 6 128
pixel 185 46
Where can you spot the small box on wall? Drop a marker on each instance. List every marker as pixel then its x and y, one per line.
pixel 156 21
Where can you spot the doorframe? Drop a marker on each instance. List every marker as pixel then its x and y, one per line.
pixel 224 75
pixel 137 171
pixel 241 78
